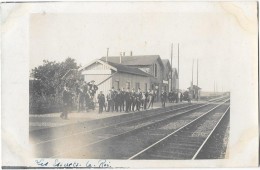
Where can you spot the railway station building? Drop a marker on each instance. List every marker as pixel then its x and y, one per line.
pixel 167 76
pixel 144 72
pixel 195 91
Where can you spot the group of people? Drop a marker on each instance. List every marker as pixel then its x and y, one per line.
pixel 119 100
pixel 125 100
pixel 83 93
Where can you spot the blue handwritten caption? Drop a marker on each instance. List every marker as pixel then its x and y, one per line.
pixel 102 163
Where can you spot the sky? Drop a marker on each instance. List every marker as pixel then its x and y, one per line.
pixel 204 31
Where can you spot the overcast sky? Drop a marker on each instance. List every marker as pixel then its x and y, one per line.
pixel 205 31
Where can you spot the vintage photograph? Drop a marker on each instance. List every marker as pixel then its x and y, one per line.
pixel 143 84
pixel 146 87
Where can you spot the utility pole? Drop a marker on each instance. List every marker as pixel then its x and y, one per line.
pixel 198 72
pixel 178 69
pixel 107 54
pixel 192 71
pixel 197 80
pixel 171 66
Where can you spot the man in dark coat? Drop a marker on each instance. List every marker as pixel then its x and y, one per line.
pixel 67 102
pixel 128 100
pixel 122 100
pixel 181 96
pixel 134 99
pixel 116 100
pixel 138 99
pixel 101 101
pixel 163 98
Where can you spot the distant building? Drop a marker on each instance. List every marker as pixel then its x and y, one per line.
pixel 167 76
pixel 194 91
pixel 145 72
pixel 107 75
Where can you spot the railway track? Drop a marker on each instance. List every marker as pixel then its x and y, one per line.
pixel 186 142
pixel 44 135
pixel 117 142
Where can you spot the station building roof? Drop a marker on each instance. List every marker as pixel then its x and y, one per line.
pixel 140 60
pixel 119 68
pixel 127 69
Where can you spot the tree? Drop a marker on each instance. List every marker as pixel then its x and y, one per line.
pixel 50 76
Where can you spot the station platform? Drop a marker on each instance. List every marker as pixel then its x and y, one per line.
pixel 42 121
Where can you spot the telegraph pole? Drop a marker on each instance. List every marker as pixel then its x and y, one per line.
pixel 107 54
pixel 171 66
pixel 192 70
pixel 197 80
pixel 198 72
pixel 178 70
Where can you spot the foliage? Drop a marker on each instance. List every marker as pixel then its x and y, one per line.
pixel 48 82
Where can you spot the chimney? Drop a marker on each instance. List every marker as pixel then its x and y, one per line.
pixel 131 53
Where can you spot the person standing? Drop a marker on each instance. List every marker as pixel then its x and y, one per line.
pixel 122 100
pixel 101 101
pixel 113 96
pixel 128 100
pixel 109 101
pixel 163 98
pixel 150 99
pixel 67 102
pixel 133 99
pixel 138 99
pixel 181 96
pixel 146 94
pixel 116 100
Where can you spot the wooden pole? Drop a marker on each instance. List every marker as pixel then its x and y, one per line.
pixel 198 72
pixel 178 69
pixel 107 54
pixel 192 71
pixel 171 66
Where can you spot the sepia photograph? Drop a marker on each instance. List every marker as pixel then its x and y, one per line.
pixel 147 81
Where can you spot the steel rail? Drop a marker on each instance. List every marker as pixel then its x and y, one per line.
pixel 125 122
pixel 129 131
pixel 159 141
pixel 205 141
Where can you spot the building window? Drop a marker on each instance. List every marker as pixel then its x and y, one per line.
pixel 116 85
pixel 155 70
pixel 128 86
